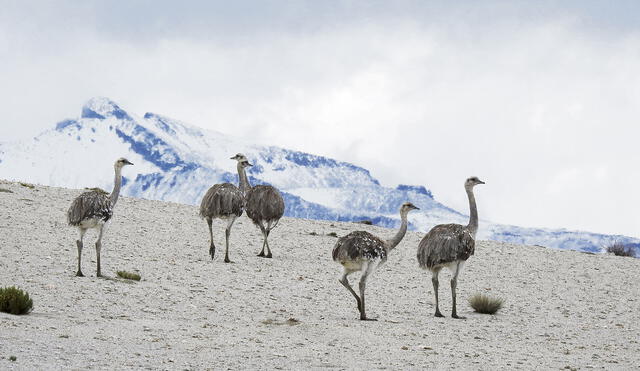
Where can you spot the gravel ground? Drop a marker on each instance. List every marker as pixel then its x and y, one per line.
pixel 563 310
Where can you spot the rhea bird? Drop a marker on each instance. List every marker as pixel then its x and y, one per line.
pixel 362 251
pixel 450 245
pixel 94 209
pixel 224 201
pixel 264 205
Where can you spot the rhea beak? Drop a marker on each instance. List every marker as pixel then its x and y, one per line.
pixel 416 207
pixel 481 182
pixel 127 162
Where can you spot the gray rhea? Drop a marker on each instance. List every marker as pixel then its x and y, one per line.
pixel 94 209
pixel 223 201
pixel 264 206
pixel 450 245
pixel 362 251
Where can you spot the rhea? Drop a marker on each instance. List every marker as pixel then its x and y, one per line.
pixel 94 209
pixel 224 201
pixel 364 252
pixel 450 245
pixel 264 206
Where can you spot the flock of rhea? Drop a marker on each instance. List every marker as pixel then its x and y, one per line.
pixel 445 245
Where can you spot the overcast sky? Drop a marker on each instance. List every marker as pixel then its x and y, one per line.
pixel 540 99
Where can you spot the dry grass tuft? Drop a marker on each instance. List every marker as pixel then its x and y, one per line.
pixel 96 189
pixel 620 249
pixel 128 275
pixel 485 304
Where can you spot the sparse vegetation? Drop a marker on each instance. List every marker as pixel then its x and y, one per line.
pixel 96 189
pixel 313 234
pixel 485 304
pixel 621 249
pixel 128 275
pixel 13 358
pixel 15 301
pixel 5 190
pixel 367 222
pixel 290 322
pixel 332 234
pixel 28 185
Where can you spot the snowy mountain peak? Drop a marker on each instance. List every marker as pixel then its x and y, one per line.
pixel 178 162
pixel 101 108
pixel 417 189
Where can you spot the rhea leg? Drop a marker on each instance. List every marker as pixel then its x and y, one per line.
pixel 434 281
pixel 454 285
pixel 368 269
pixel 345 282
pixel 79 245
pixel 227 233
pixel 98 248
pixel 212 247
pixel 264 240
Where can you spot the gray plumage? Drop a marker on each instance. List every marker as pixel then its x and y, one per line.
pixel 362 251
pixel 90 205
pixel 223 201
pixel 359 245
pixel 450 245
pixel 94 209
pixel 444 244
pixel 264 205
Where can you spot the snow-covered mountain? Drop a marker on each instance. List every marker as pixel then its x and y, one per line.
pixel 178 162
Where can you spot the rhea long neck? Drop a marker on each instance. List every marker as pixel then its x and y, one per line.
pixel 392 243
pixel 473 212
pixel 244 181
pixel 117 183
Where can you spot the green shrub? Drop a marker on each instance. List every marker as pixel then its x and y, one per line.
pixel 129 275
pixel 15 301
pixel 485 304
pixel 332 234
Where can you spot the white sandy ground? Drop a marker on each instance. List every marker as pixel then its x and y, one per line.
pixel 563 309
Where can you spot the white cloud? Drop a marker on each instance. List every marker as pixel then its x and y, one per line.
pixel 545 111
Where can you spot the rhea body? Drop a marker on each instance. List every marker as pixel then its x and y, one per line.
pixel 224 201
pixel 450 245
pixel 94 209
pixel 361 251
pixel 264 206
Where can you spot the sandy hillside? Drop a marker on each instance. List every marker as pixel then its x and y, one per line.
pixel 564 309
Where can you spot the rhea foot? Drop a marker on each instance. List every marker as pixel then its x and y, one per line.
pixel 79 274
pixel 454 315
pixel 438 314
